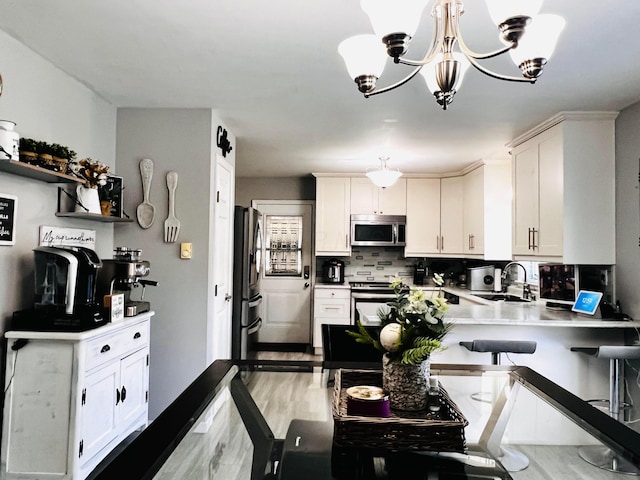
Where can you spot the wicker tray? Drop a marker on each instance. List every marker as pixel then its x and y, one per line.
pixel 423 430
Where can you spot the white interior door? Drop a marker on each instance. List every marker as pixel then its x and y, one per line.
pixel 223 259
pixel 287 271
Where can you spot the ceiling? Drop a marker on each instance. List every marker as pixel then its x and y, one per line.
pixel 272 71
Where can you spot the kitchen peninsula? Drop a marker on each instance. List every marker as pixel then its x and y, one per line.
pixel 555 332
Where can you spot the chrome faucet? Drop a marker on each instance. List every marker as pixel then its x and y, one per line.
pixel 526 289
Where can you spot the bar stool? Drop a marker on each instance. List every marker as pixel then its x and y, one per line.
pixel 496 348
pixel 512 459
pixel 599 455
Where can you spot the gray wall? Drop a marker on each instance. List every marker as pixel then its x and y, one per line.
pixel 628 209
pixel 278 188
pixel 182 140
pixel 47 105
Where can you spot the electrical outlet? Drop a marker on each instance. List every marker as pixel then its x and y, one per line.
pixel 185 250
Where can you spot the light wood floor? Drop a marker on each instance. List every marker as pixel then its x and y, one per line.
pixel 223 451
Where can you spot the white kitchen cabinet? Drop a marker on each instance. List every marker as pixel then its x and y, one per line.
pixel 333 204
pixel 423 217
pixel 564 190
pixel 487 211
pixel 368 199
pixel 452 216
pixel 434 216
pixel 72 397
pixel 331 306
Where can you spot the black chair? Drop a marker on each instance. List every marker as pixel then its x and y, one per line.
pixel 340 350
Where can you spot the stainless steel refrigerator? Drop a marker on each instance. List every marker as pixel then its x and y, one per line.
pixel 247 299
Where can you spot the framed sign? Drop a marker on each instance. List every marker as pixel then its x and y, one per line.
pixel 112 193
pixel 71 237
pixel 8 213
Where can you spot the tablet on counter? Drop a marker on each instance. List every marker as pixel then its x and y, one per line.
pixel 587 302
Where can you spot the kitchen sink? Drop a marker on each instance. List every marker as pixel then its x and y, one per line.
pixel 500 297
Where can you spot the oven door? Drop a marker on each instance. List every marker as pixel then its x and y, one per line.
pixel 365 305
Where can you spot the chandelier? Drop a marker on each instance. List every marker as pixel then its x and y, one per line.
pixel 383 177
pixel 528 37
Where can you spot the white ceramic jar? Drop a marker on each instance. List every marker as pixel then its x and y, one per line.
pixel 9 141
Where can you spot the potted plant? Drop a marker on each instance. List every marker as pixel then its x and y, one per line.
pixel 412 329
pixel 28 150
pixel 61 156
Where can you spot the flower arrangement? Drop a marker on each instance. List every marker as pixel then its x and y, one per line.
pixel 93 172
pixel 412 324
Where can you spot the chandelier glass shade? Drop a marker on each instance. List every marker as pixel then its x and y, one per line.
pixel 383 177
pixel 528 37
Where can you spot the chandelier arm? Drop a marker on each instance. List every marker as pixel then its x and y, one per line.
pixel 499 76
pixel 470 53
pixel 437 41
pixel 395 85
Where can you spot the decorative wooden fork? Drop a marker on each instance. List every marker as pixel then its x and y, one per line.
pixel 171 224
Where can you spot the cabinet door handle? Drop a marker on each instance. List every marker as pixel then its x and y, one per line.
pixel 529 238
pixel 117 396
pixel 533 239
pixel 136 335
pixel 442 242
pixel 105 348
pixel 123 395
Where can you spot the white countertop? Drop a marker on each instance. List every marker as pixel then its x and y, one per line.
pixel 488 312
pixel 76 336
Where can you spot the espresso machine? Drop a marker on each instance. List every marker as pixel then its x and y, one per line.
pixel 122 274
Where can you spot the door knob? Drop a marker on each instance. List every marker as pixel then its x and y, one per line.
pixel 227 297
pixel 306 284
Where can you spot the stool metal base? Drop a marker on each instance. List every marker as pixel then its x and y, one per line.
pixel 512 459
pixel 604 458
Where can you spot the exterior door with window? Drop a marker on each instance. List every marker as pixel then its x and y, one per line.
pixel 287 271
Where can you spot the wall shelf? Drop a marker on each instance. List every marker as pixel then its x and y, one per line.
pixel 96 217
pixel 37 173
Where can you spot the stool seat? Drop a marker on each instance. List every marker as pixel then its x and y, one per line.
pixel 496 347
pixel 501 346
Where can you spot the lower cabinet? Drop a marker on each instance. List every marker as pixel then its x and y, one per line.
pixel 72 397
pixel 332 306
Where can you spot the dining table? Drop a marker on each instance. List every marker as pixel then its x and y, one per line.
pixel 272 419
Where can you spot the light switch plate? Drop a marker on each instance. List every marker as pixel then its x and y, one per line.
pixel 185 250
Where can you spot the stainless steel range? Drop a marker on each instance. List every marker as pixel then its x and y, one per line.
pixel 366 298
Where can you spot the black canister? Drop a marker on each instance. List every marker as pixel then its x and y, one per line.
pixel 419 273
pixel 333 271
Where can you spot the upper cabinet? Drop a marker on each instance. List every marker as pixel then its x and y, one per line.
pixel 423 217
pixel 564 190
pixel 434 217
pixel 368 199
pixel 333 203
pixel 487 211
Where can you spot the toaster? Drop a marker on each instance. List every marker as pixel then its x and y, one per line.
pixel 481 278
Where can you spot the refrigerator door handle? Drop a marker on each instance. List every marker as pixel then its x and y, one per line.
pixel 254 303
pixel 254 327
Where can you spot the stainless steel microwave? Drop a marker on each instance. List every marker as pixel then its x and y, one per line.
pixel 378 230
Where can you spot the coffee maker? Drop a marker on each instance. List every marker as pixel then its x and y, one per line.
pixel 333 271
pixel 65 284
pixel 121 274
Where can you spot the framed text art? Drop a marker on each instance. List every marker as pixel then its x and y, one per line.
pixel 111 195
pixel 8 213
